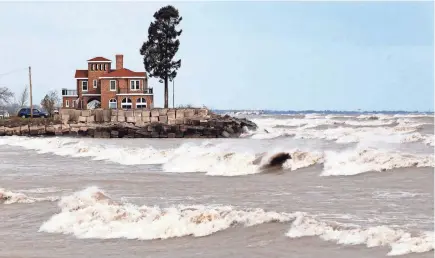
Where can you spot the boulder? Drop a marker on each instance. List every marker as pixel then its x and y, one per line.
pixel 82 119
pixel 65 119
pixel 163 119
pixel 107 115
pixel 86 113
pixel 155 113
pixel 129 113
pixel 163 111
pixel 225 134
pixel 188 113
pixel 146 113
pixel 179 113
pixel 99 116
pixel 171 114
pixel 90 119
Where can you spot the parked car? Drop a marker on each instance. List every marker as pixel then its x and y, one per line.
pixel 25 113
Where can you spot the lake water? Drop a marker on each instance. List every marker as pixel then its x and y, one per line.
pixel 356 186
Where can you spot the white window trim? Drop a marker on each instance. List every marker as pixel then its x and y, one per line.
pixel 130 104
pixel 66 103
pixel 134 89
pixel 87 86
pixel 110 85
pixel 95 84
pixel 141 103
pixel 111 102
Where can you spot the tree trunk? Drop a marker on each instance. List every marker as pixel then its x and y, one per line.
pixel 166 93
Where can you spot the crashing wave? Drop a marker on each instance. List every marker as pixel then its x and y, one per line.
pixel 399 241
pixel 225 163
pixel 9 197
pixel 92 214
pixel 360 160
pixel 91 149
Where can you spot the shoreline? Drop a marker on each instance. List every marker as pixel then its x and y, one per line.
pixel 154 123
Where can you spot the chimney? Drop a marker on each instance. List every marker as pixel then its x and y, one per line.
pixel 119 62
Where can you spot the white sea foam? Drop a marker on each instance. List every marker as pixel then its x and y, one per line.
pixel 344 135
pixel 205 157
pixel 218 162
pixel 399 241
pixel 41 190
pixel 9 197
pixel 360 160
pixel 92 214
pixel 87 148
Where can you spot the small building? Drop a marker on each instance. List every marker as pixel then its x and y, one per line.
pixel 101 86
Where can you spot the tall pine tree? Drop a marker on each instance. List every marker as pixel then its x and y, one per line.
pixel 162 45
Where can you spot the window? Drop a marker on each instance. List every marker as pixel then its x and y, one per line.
pixel 105 67
pixel 112 104
pixel 66 103
pixel 112 85
pixel 95 84
pixel 134 85
pixel 73 103
pixel 93 67
pixel 99 67
pixel 84 85
pixel 126 103
pixel 141 103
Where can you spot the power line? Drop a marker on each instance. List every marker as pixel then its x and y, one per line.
pixel 13 71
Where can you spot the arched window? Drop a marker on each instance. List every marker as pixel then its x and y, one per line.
pixel 112 104
pixel 126 103
pixel 141 103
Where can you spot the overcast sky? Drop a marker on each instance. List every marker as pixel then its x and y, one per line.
pixel 238 55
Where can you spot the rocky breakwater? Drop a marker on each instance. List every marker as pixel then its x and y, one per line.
pixel 154 123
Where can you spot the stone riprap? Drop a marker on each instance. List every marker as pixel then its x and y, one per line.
pixel 155 123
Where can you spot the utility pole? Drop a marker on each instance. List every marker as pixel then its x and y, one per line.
pixel 30 92
pixel 173 93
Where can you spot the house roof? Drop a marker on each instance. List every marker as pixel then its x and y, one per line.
pixel 113 73
pixel 81 74
pixel 99 58
pixel 124 72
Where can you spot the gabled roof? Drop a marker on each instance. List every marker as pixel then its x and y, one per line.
pixel 81 74
pixel 124 72
pixel 99 58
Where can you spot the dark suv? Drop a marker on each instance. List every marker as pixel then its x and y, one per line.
pixel 25 112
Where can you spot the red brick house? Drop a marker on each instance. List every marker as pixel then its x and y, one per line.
pixel 118 88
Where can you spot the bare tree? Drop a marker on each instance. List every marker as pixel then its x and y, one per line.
pixel 5 95
pixel 50 102
pixel 24 97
